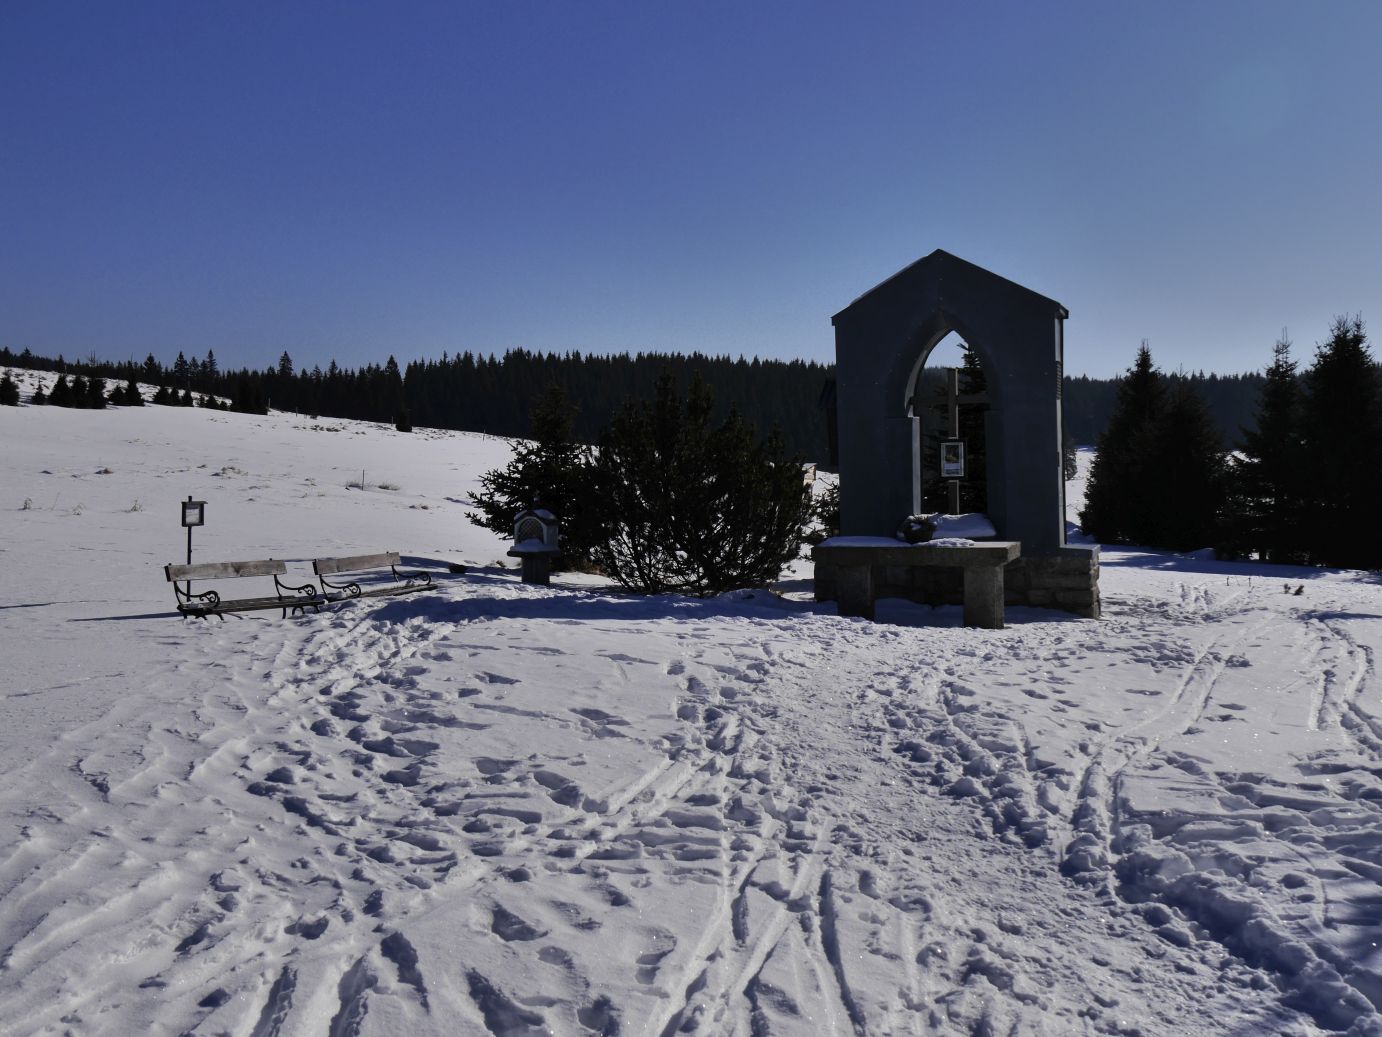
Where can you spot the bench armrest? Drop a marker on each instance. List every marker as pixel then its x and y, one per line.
pixel 411 576
pixel 308 589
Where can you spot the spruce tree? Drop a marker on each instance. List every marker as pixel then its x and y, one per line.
pixel 1267 479
pixel 9 391
pixel 549 471
pixel 96 393
pixel 133 397
pixel 78 397
pixel 1124 469
pixel 39 398
pixel 692 508
pixel 1341 425
pixel 391 390
pixel 1186 502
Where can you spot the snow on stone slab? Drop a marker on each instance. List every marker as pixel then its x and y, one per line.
pixel 970 526
pixel 503 809
pixel 866 541
pixel 861 541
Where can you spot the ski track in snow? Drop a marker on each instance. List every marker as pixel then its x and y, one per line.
pixel 1156 822
pixel 700 845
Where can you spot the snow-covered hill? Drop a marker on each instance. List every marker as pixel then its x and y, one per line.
pixel 497 809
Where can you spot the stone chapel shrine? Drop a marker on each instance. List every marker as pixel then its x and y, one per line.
pixel 882 341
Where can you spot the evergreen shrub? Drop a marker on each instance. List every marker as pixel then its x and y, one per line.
pixel 691 508
pixel 549 471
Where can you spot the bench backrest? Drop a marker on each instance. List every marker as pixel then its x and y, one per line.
pixel 222 570
pixel 355 563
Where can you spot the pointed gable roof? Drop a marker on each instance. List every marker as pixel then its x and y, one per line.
pixel 940 267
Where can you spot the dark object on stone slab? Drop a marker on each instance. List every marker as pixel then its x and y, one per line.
pixel 916 529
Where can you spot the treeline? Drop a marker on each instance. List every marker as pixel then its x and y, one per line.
pixel 496 394
pixel 1230 398
pixel 1298 484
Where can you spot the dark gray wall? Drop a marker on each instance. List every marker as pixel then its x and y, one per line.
pixel 880 340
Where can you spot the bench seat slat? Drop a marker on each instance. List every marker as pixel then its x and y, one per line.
pixel 275 601
pixel 378 592
pixel 354 563
pixel 250 605
pixel 224 570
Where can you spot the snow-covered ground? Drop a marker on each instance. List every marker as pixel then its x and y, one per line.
pixel 499 809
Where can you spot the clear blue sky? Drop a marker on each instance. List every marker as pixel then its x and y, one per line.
pixel 352 179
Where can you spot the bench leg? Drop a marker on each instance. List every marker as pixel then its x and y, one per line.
pixel 984 597
pixel 854 590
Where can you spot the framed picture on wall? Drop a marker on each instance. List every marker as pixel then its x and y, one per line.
pixel 952 458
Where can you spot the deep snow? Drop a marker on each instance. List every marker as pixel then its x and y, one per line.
pixel 498 809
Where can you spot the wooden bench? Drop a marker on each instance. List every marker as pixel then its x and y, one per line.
pixel 407 582
pixel 210 603
pixel 982 563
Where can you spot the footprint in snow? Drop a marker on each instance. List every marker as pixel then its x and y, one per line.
pixel 510 928
pixel 308 930
pixel 662 943
pixel 560 789
pixel 502 1015
pixel 497 678
pixel 600 1017
pixel 558 957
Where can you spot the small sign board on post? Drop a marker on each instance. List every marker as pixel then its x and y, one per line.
pixel 952 458
pixel 193 514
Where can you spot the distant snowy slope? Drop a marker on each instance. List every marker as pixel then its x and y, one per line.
pixel 89 514
pixel 498 809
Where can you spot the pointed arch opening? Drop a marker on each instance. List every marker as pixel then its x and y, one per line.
pixel 947 400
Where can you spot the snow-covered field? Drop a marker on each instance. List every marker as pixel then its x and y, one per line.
pixel 496 809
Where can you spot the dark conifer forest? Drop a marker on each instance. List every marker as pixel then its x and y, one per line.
pixel 493 394
pixel 496 394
